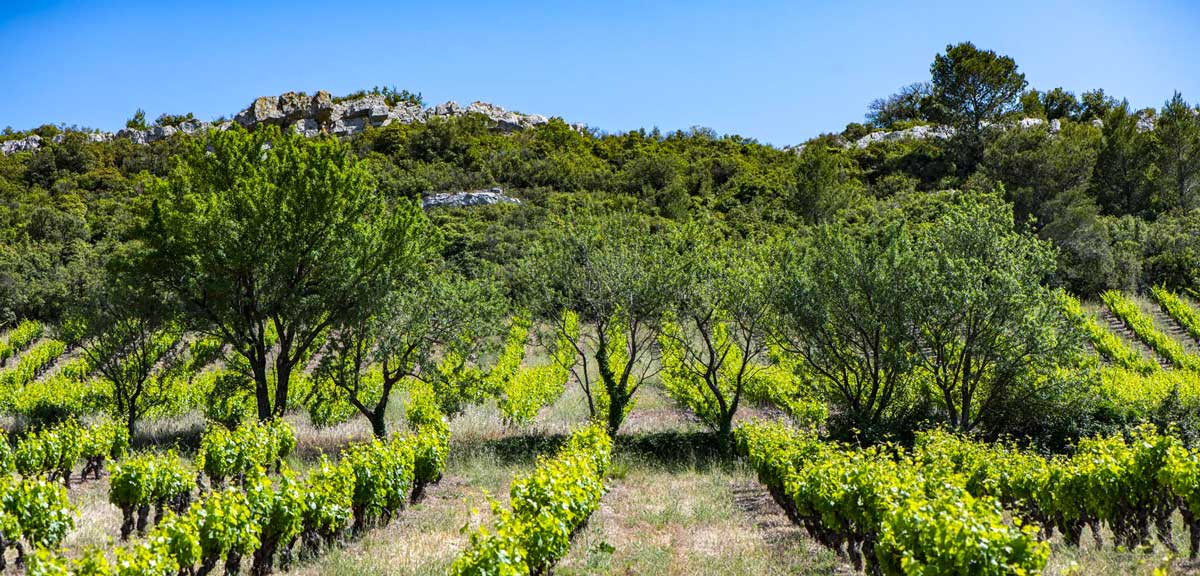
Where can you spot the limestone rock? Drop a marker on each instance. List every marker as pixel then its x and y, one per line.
pixel 321 107
pixel 135 136
pixel 349 126
pixel 447 109
pixel 317 114
pixel 464 199
pixel 293 106
pixel 263 109
pixel 406 113
pixel 365 106
pixel 161 132
pixel 194 126
pixel 914 133
pixel 307 127
pixel 28 143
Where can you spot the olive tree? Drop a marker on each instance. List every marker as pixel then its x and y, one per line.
pixel 989 331
pixel 714 345
pixel 368 356
pixel 127 334
pixel 973 89
pixel 844 305
pixel 616 272
pixel 1178 133
pixel 252 229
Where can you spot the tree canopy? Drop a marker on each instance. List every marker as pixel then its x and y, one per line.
pixel 268 230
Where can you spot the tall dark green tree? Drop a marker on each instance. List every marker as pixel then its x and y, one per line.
pixel 1177 129
pixel 1122 181
pixel 1036 166
pixel 827 180
pixel 1095 105
pixel 972 90
pixel 271 228
pixel 1060 104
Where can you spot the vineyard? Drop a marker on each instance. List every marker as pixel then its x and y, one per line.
pixel 313 492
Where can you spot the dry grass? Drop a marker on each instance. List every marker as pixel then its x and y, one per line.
pixel 690 520
pixel 99 522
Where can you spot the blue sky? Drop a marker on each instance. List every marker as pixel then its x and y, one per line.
pixel 780 72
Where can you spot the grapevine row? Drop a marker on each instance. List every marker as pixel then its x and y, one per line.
pixel 63 395
pixel 1178 310
pixel 509 363
pixel 877 506
pixel 531 388
pixel 1143 326
pixel 32 363
pixel 1106 343
pixel 53 453
pixel 1135 396
pixel 885 513
pixel 18 339
pixel 546 508
pixel 258 515
pixel 34 510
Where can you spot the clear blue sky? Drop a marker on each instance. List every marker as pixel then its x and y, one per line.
pixel 780 72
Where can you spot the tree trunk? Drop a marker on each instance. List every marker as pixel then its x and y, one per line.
pixel 616 410
pixel 616 398
pixel 378 424
pixel 283 374
pixel 725 433
pixel 130 422
pixel 262 393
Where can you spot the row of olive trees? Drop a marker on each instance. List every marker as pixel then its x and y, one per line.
pixel 933 310
pixel 622 275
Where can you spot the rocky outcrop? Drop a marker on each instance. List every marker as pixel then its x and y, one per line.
pixel 1145 123
pixel 462 199
pixel 914 133
pixel 31 142
pixel 317 114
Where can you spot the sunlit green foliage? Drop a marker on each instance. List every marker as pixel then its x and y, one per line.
pixel 546 507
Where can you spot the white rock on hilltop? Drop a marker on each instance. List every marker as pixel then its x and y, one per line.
pixel 914 133
pixel 316 114
pixel 31 142
pixel 472 198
